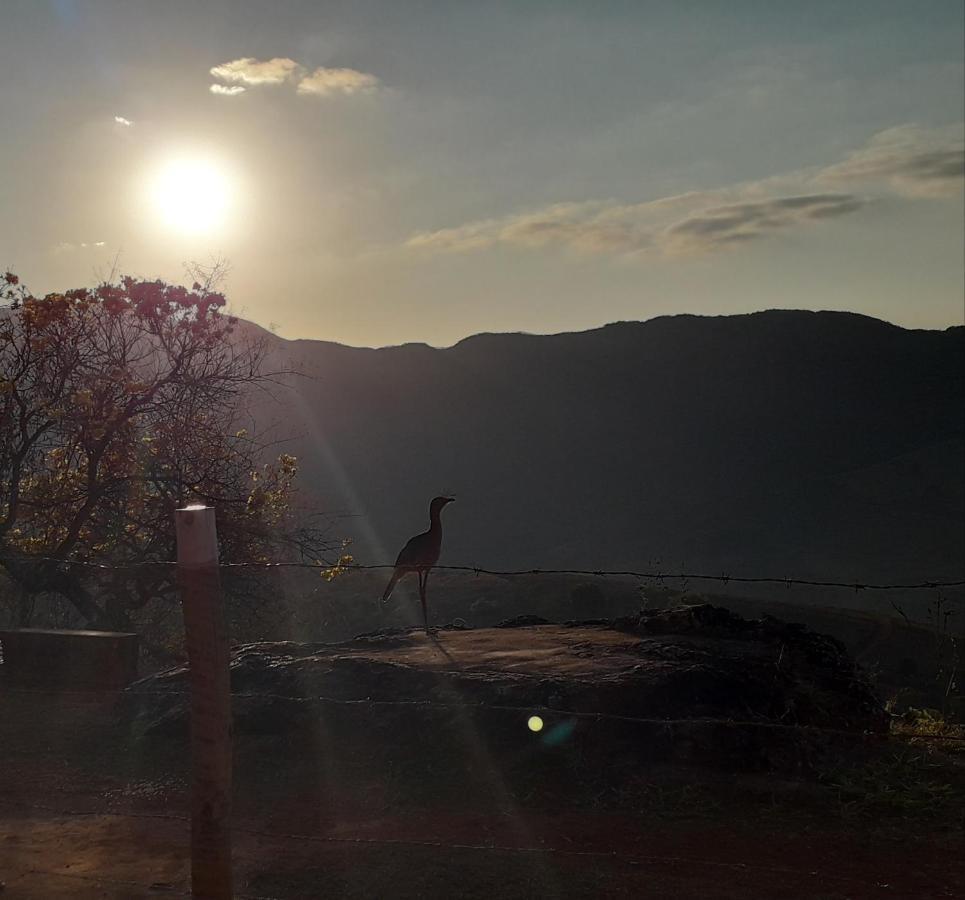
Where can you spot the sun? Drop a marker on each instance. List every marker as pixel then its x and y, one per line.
pixel 192 195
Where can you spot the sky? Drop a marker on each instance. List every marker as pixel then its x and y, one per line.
pixel 377 173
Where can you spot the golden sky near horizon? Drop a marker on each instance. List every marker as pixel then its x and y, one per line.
pixel 377 173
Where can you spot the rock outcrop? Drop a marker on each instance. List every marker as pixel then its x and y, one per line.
pixel 694 684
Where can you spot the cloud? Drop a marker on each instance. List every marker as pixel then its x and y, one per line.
pixel 606 230
pixel 250 71
pixel 120 120
pixel 227 91
pixel 907 160
pixel 581 227
pixel 737 223
pixel 694 222
pixel 322 82
pixel 472 236
pixel 914 161
pixel 326 82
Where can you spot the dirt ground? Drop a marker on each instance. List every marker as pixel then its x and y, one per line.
pixel 567 855
pixel 127 837
pixel 87 812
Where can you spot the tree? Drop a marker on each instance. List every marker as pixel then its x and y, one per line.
pixel 118 404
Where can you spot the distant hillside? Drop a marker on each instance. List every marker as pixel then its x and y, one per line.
pixel 785 441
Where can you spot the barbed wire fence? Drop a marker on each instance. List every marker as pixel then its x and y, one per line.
pixel 635 859
pixel 658 575
pixel 641 574
pixel 492 848
pixel 84 697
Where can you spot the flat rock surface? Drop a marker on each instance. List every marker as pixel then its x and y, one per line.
pixel 732 688
pixel 587 651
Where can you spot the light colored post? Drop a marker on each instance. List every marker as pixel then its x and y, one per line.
pixel 207 643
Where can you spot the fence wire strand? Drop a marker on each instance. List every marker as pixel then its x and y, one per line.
pixel 549 711
pixel 643 575
pixel 358 841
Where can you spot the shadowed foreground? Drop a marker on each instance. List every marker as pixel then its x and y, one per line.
pixel 377 792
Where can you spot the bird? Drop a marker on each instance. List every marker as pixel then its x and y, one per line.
pixel 420 554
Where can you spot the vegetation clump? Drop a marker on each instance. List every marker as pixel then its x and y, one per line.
pixel 118 405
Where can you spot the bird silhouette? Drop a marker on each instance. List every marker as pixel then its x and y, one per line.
pixel 420 554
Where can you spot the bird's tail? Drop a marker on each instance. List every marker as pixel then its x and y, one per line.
pixel 396 575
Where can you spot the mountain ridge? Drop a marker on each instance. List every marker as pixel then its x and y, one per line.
pixel 609 325
pixel 736 441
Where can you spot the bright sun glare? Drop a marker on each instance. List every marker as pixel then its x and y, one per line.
pixel 192 195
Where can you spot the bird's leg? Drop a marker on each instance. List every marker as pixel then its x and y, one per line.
pixel 423 581
pixel 396 575
pixel 425 588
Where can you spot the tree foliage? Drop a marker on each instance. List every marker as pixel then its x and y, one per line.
pixel 119 404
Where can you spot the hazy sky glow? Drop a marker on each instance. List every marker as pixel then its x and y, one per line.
pixel 378 173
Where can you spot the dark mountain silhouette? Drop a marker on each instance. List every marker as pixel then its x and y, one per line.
pixel 785 441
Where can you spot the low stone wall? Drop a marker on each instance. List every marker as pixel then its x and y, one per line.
pixel 69 659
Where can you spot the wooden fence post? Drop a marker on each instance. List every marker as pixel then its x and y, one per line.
pixel 207 644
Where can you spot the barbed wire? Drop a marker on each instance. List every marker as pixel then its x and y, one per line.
pixel 433 705
pixel 347 840
pixel 643 575
pixel 550 711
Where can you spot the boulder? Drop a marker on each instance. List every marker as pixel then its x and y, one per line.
pixel 694 684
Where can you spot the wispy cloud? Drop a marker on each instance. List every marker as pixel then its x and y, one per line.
pixel 582 227
pixel 120 120
pixel 250 71
pixel 68 247
pixel 915 161
pixel 695 222
pixel 326 82
pixel 227 90
pixel 906 160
